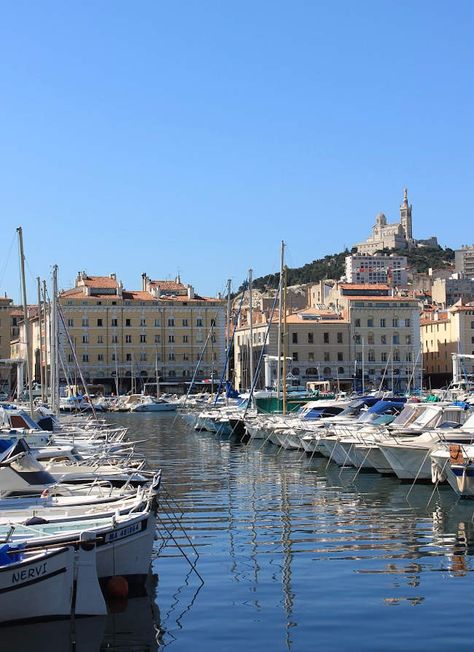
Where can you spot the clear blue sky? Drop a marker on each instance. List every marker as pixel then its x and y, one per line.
pixel 154 136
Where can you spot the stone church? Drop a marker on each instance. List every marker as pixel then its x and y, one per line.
pixel 390 236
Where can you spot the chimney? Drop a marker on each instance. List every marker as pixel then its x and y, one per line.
pixel 190 292
pixel 113 276
pixel 144 281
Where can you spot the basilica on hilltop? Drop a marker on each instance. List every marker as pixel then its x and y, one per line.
pixel 393 236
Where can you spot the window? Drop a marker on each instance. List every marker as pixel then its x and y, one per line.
pixel 170 356
pixel 142 339
pixel 100 357
pixel 340 371
pixel 185 356
pixel 382 323
pixel 100 339
pixel 407 323
pixel 85 322
pixel 70 322
pixel 326 338
pixel 70 357
pixel 340 356
pixel 359 356
pixel 339 338
pixel 142 322
pixel 129 357
pixel 294 338
pixel 85 357
pixel 85 339
pixel 213 322
pixel 99 322
pixel 357 323
pixel 295 371
pixel 395 322
pixel 357 339
pixel 128 322
pixel 396 339
pixel 396 355
pixel 383 356
pixel 407 339
pixel 408 356
pixel 370 322
pixel 185 322
pixel 371 356
pixel 143 357
pixel 199 323
pixel 295 356
pixel 311 356
pixel 172 373
pixel 185 339
pixel 370 338
pixel 157 323
pixel 157 339
pixel 114 357
pixel 170 339
pixel 114 322
pixel 310 338
pixel 383 339
pixel 114 339
pixel 326 356
pixel 128 339
pixel 171 322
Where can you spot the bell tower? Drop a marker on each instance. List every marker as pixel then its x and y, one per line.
pixel 405 216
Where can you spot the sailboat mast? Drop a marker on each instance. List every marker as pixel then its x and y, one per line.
pixel 285 342
pixel 280 309
pixel 40 330
pixel 156 375
pixel 54 345
pixel 251 370
pixel 227 331
pixel 25 318
pixel 47 338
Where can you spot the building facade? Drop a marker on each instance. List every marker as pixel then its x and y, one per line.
pixel 316 343
pixel 122 339
pixel 378 268
pixel 444 332
pixel 385 336
pixel 464 260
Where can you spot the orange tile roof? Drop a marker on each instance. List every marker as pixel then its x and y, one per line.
pixel 99 282
pixel 362 286
pixel 168 285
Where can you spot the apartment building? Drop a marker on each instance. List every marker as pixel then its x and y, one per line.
pixel 121 338
pixel 464 260
pixel 316 343
pixel 384 335
pixel 444 332
pixel 378 268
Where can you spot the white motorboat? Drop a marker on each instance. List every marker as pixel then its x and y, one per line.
pixel 52 583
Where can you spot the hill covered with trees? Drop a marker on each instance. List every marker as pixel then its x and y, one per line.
pixel 419 259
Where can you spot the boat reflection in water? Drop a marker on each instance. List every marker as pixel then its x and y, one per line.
pixel 132 625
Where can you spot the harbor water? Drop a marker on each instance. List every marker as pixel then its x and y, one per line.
pixel 294 554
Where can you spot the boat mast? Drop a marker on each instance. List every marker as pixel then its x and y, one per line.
pixel 285 341
pixel 227 331
pixel 25 318
pixel 156 375
pixel 251 370
pixel 47 336
pixel 280 302
pixel 40 329
pixel 54 351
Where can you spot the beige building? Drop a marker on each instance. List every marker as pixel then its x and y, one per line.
pixel 317 347
pixel 444 332
pixel 385 335
pixel 121 337
pixel 464 260
pixel 379 268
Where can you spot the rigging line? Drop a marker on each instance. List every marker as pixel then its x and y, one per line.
pixel 7 260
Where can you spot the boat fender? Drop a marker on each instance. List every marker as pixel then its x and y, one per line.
pixel 117 587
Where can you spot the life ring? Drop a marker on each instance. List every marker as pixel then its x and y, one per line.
pixel 455 454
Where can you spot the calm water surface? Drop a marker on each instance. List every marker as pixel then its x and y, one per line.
pixel 294 554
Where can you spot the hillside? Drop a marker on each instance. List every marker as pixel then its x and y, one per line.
pixel 332 266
